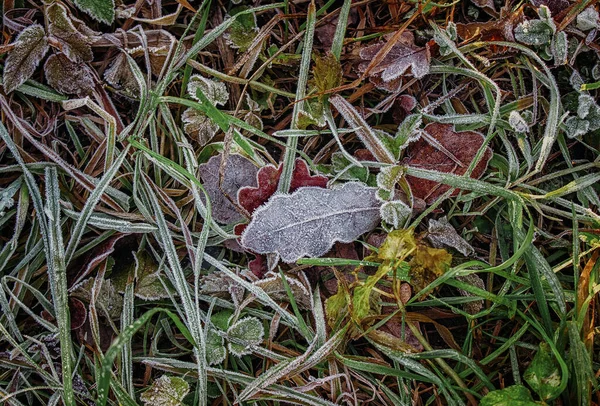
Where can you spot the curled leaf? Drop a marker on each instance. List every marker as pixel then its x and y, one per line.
pixel 309 221
pixel 442 234
pixel 29 48
pixel 119 74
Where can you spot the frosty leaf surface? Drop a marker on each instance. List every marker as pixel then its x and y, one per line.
pixel 214 91
pixel 68 77
pixel 517 122
pixel 29 48
pixel 273 286
pixel 166 391
pixel 463 145
pixel 72 42
pixel 588 19
pixel 199 126
pixel 403 55
pixel 239 172
pixel 119 75
pixel 215 348
pixel 534 32
pixel 442 234
pixel 245 334
pixel 101 10
pixel 309 221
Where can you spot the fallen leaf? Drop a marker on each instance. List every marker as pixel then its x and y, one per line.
pixel 441 234
pixel 68 77
pixel 267 179
pixel 29 48
pixel 426 265
pixel 309 221
pixel 145 272
pixel 72 42
pixel 244 335
pixel 239 172
pixel 403 55
pixel 166 391
pixel 119 74
pixel 274 287
pixel 462 145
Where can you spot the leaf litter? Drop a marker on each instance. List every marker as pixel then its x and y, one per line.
pixel 336 247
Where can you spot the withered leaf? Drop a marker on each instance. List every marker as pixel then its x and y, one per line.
pixel 273 285
pixel 71 41
pixel 29 48
pixel 199 126
pixel 239 172
pixel 309 221
pixel 68 77
pixel 426 265
pixel 119 74
pixel 442 234
pixel 403 55
pixel 462 145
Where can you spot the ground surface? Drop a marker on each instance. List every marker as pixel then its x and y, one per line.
pixel 374 203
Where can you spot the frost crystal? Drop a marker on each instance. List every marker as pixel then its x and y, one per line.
pixel 30 47
pixel 214 91
pixel 309 221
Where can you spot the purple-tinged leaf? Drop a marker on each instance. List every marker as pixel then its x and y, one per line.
pixel 239 172
pixel 403 55
pixel 68 77
pixel 29 48
pixel 309 221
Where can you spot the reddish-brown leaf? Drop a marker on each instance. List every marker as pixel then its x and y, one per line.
pixel 251 198
pixel 463 145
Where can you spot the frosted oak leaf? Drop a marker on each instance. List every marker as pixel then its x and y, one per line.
pixel 309 221
pixel 403 55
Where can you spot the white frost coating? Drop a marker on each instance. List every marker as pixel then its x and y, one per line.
pixel 239 172
pixel 309 221
pixel 442 234
pixel 214 91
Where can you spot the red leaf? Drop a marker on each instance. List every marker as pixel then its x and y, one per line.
pixel 258 266
pixel 251 198
pixel 302 177
pixel 463 145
